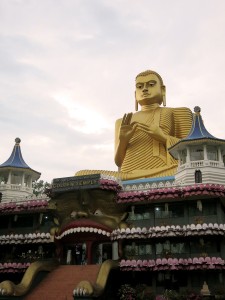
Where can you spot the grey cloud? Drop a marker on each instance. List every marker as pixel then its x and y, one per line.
pixel 94 49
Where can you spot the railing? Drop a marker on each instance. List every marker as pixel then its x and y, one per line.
pixel 14 187
pixel 196 164
pixel 200 163
pixel 214 163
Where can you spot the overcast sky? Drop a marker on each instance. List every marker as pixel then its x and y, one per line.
pixel 68 67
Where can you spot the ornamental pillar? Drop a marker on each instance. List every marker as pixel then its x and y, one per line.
pixel 220 155
pixel 115 254
pixel 188 155
pixel 23 179
pixel 179 161
pixel 205 152
pixel 9 177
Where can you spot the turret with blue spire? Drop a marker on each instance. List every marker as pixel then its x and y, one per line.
pixel 200 155
pixel 16 176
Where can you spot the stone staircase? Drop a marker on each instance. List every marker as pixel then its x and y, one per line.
pixel 59 283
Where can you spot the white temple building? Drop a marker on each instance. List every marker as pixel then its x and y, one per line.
pixel 16 176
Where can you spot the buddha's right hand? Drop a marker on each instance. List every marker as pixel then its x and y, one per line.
pixel 127 129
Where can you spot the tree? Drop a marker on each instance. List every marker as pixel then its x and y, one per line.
pixel 39 187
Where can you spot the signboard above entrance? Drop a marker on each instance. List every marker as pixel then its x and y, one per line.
pixel 73 183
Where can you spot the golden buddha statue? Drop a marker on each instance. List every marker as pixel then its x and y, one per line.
pixel 142 139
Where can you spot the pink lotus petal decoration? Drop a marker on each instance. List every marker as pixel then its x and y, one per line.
pixel 28 204
pixel 173 193
pixel 172 230
pixel 196 263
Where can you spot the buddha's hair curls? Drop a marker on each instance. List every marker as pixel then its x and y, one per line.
pixel 147 72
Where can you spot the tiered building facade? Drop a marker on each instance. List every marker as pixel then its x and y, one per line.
pixel 167 233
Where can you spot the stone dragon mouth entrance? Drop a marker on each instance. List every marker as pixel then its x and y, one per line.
pixel 84 242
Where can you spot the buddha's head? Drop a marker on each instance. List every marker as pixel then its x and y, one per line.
pixel 149 88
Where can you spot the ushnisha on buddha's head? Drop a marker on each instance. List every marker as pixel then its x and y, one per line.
pixel 149 89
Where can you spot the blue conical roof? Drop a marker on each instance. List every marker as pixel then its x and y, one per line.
pixel 198 134
pixel 198 130
pixel 16 159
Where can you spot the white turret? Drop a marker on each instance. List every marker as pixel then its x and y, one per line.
pixel 200 156
pixel 16 176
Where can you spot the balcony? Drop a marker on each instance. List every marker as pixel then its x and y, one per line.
pixel 201 163
pixel 15 187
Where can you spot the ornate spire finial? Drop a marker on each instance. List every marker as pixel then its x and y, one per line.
pixel 197 109
pixel 17 140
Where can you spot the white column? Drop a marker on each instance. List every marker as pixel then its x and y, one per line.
pixel 9 177
pixel 115 254
pixel 205 152
pixel 179 162
pixel 23 177
pixel 30 182
pixel 220 155
pixel 188 155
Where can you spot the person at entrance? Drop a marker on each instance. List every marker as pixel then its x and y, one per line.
pixel 78 254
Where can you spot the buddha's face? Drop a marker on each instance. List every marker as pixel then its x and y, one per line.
pixel 149 90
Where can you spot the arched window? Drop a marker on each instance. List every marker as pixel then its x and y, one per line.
pixel 198 176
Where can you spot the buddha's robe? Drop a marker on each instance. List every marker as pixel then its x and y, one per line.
pixel 145 156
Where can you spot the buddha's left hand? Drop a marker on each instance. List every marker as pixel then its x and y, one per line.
pixel 154 131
